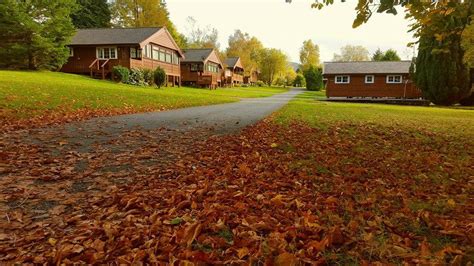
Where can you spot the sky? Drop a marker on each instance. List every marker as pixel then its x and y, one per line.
pixel 285 26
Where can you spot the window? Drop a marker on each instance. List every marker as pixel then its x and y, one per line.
pixel 212 67
pixel 194 67
pixel 175 59
pixel 168 58
pixel 148 52
pixel 369 79
pixel 156 54
pixel 162 56
pixel 135 53
pixel 106 52
pixel 71 52
pixel 394 79
pixel 343 79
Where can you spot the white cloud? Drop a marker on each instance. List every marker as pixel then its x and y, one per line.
pixel 285 26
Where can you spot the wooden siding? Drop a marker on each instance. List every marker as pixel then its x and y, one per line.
pixel 380 88
pixel 85 55
pixel 170 69
pixel 162 38
pixel 201 78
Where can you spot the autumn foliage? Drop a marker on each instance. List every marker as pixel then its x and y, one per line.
pixel 274 195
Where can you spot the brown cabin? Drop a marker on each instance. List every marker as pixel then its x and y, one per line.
pixel 234 72
pixel 201 68
pixel 252 78
pixel 373 79
pixel 97 51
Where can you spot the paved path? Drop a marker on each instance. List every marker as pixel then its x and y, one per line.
pixel 217 119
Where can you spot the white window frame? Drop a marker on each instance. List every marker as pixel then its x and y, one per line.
pixel 71 51
pixel 341 81
pixel 369 82
pixel 110 52
pixel 391 79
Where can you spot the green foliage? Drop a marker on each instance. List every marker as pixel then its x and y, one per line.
pixel 144 13
pixel 247 48
pixel 92 14
pixel 299 81
pixel 34 34
pixel 314 78
pixel 468 44
pixel 148 76
pixel 159 77
pixel 389 55
pixel 440 71
pixel 121 74
pixel 352 53
pixel 273 63
pixel 136 77
pixel 260 83
pixel 309 55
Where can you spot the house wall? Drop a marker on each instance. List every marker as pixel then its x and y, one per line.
pixel 380 88
pixel 84 56
pixel 196 77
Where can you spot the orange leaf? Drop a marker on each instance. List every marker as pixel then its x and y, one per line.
pixel 286 259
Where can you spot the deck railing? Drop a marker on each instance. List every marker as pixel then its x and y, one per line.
pixel 99 66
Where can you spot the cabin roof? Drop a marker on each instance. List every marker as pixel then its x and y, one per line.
pixel 367 67
pixel 113 36
pixel 232 61
pixel 196 55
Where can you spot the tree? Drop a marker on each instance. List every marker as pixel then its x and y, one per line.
pixel 34 34
pixel 290 75
pixel 389 55
pixel 144 13
pixel 309 55
pixel 201 37
pixel 159 77
pixel 272 63
pixel 314 78
pixel 247 48
pixel 92 14
pixel 468 44
pixel 352 53
pixel 299 81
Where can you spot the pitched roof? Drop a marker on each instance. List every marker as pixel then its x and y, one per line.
pixel 367 67
pixel 196 55
pixel 112 36
pixel 232 61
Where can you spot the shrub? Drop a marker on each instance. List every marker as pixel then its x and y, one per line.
pixel 159 77
pixel 148 76
pixel 314 78
pixel 121 74
pixel 136 77
pixel 299 81
pixel 260 83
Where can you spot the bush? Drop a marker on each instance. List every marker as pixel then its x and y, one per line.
pixel 260 83
pixel 159 77
pixel 136 77
pixel 314 78
pixel 148 76
pixel 299 81
pixel 121 74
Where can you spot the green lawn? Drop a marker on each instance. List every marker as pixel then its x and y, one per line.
pixel 323 114
pixel 26 95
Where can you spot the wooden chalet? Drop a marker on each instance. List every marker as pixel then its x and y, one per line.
pixel 252 78
pixel 201 68
pixel 389 79
pixel 234 72
pixel 97 51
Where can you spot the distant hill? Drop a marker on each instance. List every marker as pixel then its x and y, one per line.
pixel 295 66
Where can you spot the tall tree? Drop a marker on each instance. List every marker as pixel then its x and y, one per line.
pixel 309 55
pixel 92 14
pixel 201 37
pixel 468 44
pixel 144 13
pixel 273 62
pixel 314 78
pixel 352 53
pixel 389 55
pixel 34 34
pixel 247 48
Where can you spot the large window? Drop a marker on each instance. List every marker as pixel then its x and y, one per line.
pixel 106 52
pixel 194 67
pixel 369 79
pixel 343 79
pixel 212 67
pixel 135 53
pixel 156 54
pixel 394 79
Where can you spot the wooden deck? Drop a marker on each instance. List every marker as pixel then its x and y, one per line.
pixel 397 101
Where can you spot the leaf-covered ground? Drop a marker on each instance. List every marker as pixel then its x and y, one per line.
pixel 34 99
pixel 280 193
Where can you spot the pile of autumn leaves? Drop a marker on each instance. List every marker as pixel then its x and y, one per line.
pixel 279 196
